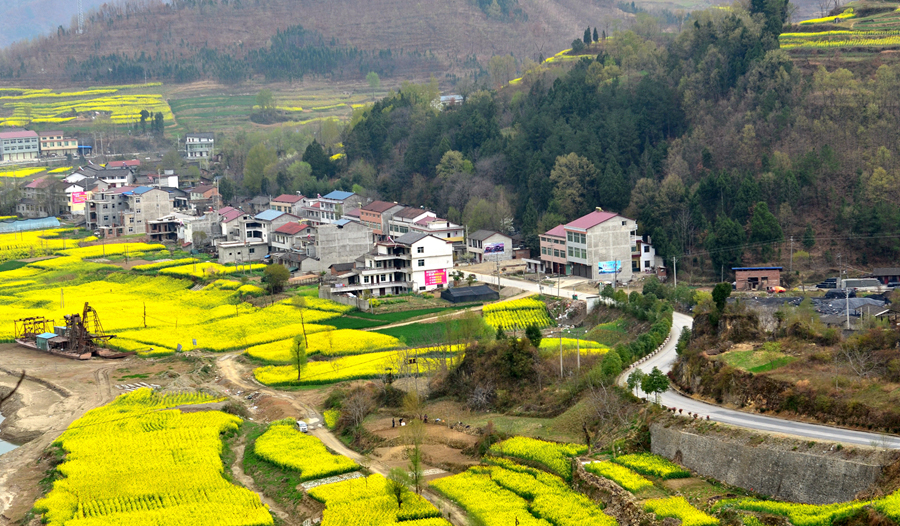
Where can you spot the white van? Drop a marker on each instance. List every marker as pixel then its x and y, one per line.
pixel 302 427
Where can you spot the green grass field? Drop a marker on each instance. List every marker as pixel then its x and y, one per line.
pixel 758 361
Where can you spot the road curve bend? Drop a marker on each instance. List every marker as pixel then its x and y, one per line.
pixel 769 424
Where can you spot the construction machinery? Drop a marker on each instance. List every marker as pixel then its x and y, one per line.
pixel 80 338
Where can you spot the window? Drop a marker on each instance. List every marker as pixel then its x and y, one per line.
pixel 646 248
pixel 252 250
pixel 572 251
pixel 646 264
pixel 544 250
pixel 421 262
pixel 568 236
pixel 583 254
pixel 421 288
pixel 420 250
pixel 366 279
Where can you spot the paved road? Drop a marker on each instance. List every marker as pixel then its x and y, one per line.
pixel 531 286
pixel 666 357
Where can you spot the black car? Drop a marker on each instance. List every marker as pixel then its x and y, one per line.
pixel 893 284
pixel 839 294
pixel 827 285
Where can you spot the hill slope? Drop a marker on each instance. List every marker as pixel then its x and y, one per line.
pixel 452 30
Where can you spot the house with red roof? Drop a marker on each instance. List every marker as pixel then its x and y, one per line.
pixel 292 236
pixel 599 246
pixel 289 204
pixel 553 250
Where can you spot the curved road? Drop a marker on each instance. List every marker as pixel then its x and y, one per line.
pixel 666 357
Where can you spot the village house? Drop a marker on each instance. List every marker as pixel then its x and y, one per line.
pixel 288 203
pixel 487 245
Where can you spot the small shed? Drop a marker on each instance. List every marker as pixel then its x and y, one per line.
pixel 43 340
pixel 470 294
pixel 756 278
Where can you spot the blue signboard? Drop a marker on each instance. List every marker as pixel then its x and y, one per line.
pixel 609 267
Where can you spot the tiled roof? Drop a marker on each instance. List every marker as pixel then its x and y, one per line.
pixel 269 215
pixel 481 235
pixel 287 198
pixel 410 212
pixel 378 206
pixel 40 183
pixel 225 210
pixel 557 231
pixel 339 195
pixel 591 220
pixel 228 217
pixel 123 164
pixel 21 134
pixel 290 228
pixel 410 238
pixel 353 212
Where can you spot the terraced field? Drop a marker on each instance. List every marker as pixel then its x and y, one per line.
pixel 861 26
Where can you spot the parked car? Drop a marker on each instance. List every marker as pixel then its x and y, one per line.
pixel 893 284
pixel 302 427
pixel 827 285
pixel 839 294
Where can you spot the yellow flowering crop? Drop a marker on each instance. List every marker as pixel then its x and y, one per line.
pixel 503 495
pixel 365 501
pixel 61 169
pixel 571 343
pixel 21 172
pixel 163 264
pixel 287 447
pixel 209 269
pixel 331 417
pixel 110 249
pixel 678 507
pixel 329 343
pixel 357 367
pixel 649 464
pixel 136 461
pixel 556 457
pixel 517 314
pixel 34 243
pixel 621 475
pixel 804 514
pixel 848 13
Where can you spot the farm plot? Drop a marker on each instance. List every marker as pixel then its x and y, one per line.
pixel 508 493
pixel 21 107
pixel 554 456
pixel 365 501
pixel 284 446
pixel 517 314
pixel 138 461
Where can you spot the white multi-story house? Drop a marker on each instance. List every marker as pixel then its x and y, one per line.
pixel 199 145
pixel 413 262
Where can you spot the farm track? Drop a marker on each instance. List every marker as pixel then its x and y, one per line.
pixel 228 369
pixel 237 470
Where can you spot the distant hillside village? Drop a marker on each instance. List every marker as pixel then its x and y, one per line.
pixel 364 246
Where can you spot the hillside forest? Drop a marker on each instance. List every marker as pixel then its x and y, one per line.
pixel 714 139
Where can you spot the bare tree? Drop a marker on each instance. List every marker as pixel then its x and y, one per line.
pixel 357 406
pixel 611 412
pixel 861 361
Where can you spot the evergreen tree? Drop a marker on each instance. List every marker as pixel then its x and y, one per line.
pixel 587 36
pixel 315 156
pixel 596 35
pixel 764 228
pixel 809 237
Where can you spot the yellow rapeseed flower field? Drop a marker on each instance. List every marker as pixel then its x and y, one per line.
pixel 136 461
pixel 283 445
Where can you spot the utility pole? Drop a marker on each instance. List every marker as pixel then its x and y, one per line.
pixel 674 271
pixel 840 271
pixel 145 314
pixel 792 255
pixel 847 297
pixel 560 355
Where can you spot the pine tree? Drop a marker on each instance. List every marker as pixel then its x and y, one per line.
pixel 587 36
pixel 596 39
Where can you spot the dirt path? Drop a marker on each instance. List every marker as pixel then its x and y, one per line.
pixel 425 320
pixel 237 469
pixel 230 370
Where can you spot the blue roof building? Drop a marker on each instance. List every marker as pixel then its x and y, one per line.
pixel 339 195
pixel 268 215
